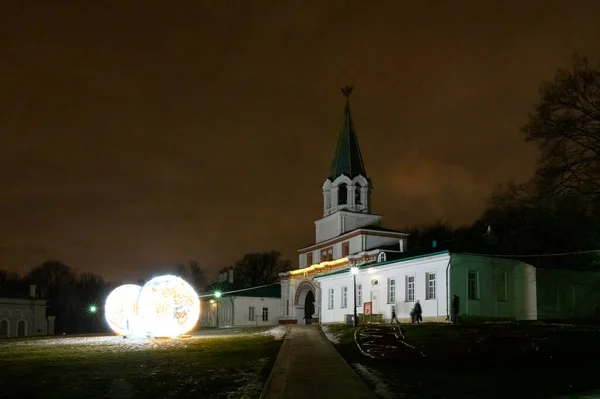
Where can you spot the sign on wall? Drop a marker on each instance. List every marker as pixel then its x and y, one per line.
pixel 367 307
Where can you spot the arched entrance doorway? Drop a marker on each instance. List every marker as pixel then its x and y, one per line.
pixel 304 302
pixel 309 307
pixel 21 330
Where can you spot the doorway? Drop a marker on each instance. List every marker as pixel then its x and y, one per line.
pixel 309 307
pixel 4 328
pixel 21 328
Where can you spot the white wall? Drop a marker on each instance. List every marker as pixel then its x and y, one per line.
pixel 568 294
pixel 342 222
pixel 234 311
pixel 242 312
pixel 31 312
pixel 520 299
pixel 399 270
pixel 327 228
pixel 374 242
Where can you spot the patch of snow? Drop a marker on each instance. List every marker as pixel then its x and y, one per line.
pixel 250 381
pixel 330 336
pixel 277 332
pixel 381 388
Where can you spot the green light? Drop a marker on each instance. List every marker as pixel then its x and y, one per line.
pixel 93 309
pixel 217 294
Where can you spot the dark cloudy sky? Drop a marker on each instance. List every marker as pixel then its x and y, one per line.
pixel 135 135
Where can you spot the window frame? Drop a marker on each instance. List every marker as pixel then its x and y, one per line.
pixel 410 288
pixel 428 292
pixel 359 295
pixel 473 295
pixel 344 297
pixel 391 290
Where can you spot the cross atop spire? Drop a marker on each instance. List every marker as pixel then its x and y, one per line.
pixel 347 159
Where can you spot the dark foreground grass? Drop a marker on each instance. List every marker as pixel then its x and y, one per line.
pixel 233 366
pixel 482 361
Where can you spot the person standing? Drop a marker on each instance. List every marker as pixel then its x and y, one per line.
pixel 418 312
pixel 394 317
pixel 454 308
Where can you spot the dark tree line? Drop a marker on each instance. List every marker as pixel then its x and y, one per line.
pixel 558 210
pixel 71 295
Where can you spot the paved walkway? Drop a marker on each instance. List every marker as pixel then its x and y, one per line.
pixel 308 366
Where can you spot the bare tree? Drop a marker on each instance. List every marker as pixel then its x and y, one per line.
pixel 566 126
pixel 192 273
pixel 260 268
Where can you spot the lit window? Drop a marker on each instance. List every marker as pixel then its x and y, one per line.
pixel 391 290
pixel 430 289
pixel 359 295
pixel 410 288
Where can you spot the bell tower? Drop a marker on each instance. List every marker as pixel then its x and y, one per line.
pixel 347 189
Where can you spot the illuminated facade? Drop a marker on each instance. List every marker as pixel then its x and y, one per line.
pixel 390 279
pixel 347 233
pixel 25 316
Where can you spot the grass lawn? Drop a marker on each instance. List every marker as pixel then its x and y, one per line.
pixel 481 361
pixel 209 365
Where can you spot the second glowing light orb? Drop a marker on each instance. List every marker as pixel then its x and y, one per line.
pixel 120 308
pixel 167 306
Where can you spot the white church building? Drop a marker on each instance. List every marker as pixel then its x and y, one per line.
pixel 391 278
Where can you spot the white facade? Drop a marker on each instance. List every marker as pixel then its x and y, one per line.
pixel 354 242
pixel 487 288
pixel 238 311
pixel 24 318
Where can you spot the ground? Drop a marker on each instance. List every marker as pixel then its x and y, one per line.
pixel 472 361
pixel 227 363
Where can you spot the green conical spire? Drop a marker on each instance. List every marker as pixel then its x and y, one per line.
pixel 347 159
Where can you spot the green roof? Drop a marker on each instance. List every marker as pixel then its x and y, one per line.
pixel 347 159
pixel 369 265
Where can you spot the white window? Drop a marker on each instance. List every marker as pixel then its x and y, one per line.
pixel 410 288
pixel 473 284
pixel 359 295
pixel 502 286
pixel 430 289
pixel 381 257
pixel 251 313
pixel 330 302
pixel 265 314
pixel 391 294
pixel 344 297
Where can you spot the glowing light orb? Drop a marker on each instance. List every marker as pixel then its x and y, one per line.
pixel 120 308
pixel 167 307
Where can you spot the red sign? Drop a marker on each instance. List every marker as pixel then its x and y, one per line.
pixel 367 307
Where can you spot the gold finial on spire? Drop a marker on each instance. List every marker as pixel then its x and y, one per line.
pixel 346 91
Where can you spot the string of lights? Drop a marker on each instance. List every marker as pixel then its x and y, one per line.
pixel 591 251
pixel 243 289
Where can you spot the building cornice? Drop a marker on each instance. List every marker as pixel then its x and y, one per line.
pixel 352 234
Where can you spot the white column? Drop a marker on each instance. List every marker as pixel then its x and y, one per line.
pixel 350 192
pixel 364 197
pixel 334 199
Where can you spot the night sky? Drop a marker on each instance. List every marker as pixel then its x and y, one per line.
pixel 139 135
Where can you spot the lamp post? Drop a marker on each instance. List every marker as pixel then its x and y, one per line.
pixel 217 296
pixel 354 271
